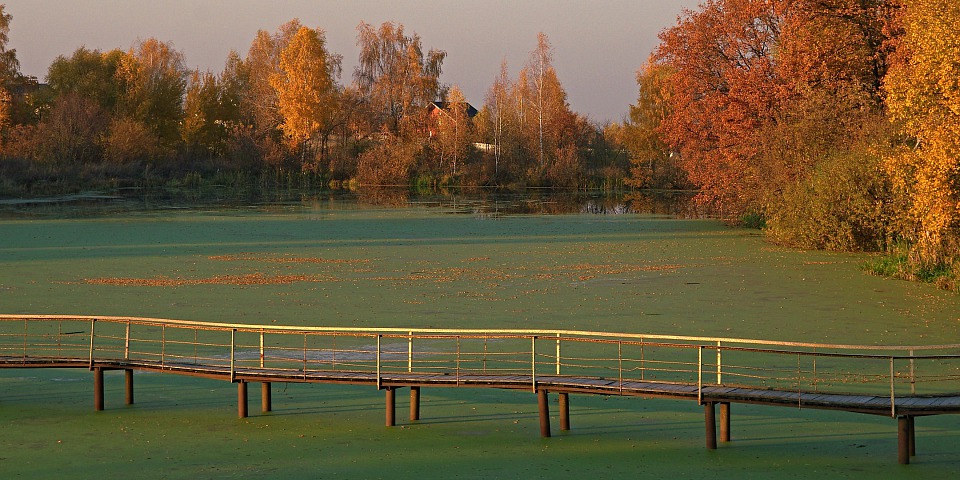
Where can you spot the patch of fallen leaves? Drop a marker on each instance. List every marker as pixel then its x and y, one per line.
pixel 249 257
pixel 248 279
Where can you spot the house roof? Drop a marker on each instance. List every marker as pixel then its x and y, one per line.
pixel 445 106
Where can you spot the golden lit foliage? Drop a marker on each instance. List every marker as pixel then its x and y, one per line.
pixel 306 85
pixel 395 77
pixel 453 125
pixel 653 162
pixel 923 93
pixel 546 99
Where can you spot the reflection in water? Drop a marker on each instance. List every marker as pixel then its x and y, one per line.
pixel 485 203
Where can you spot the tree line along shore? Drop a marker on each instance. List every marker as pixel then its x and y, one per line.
pixel 829 124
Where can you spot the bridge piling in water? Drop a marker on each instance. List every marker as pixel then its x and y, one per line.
pixel 242 399
pixel 564 411
pixel 414 403
pixel 544 409
pixel 391 394
pixel 266 400
pixel 724 421
pixel 906 439
pixel 710 418
pixel 98 389
pixel 128 385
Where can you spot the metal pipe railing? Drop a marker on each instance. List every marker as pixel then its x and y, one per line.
pixel 628 357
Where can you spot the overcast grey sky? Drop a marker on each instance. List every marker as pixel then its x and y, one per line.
pixel 598 45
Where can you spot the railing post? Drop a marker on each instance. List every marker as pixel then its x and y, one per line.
pixel 163 346
pixel 410 352
pixel 700 374
pixel 799 382
pixel 913 378
pixel 719 370
pixel 533 361
pixel 620 364
pixel 333 365
pixel 893 403
pixel 233 354
pixel 378 361
pixel 261 348
pixel 126 343
pixel 643 361
pixel 93 323
pixel 814 380
pixel 558 354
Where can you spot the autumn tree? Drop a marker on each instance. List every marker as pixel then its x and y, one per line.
pixel 153 79
pixel 723 87
pixel 546 123
pixel 88 73
pixel 203 129
pixel 453 125
pixel 923 95
pixel 396 77
pixel 654 163
pixel 307 89
pixel 261 64
pixel 8 65
pixel 10 77
pixel 70 132
pixel 547 99
pixel 821 155
pixel 497 108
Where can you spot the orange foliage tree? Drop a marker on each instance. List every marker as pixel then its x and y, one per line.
pixel 762 92
pixel 724 86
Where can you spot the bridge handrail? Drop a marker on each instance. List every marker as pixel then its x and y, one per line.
pixel 403 331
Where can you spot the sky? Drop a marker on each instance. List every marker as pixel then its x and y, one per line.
pixel 598 44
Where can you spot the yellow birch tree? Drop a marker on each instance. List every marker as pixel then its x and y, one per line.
pixel 923 94
pixel 306 87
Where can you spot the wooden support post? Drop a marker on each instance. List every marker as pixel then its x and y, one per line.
pixel 414 403
pixel 128 378
pixel 544 408
pixel 242 399
pixel 564 411
pixel 903 439
pixel 710 417
pixel 266 401
pixel 724 421
pixel 913 436
pixel 391 393
pixel 98 389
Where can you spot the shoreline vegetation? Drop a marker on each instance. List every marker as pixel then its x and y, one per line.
pixel 828 125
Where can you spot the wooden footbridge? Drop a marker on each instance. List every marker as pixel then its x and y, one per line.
pixel 901 382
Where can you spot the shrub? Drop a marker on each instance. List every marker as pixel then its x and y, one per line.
pixel 841 205
pixel 387 163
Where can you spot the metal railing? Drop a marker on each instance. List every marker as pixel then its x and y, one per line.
pixel 534 355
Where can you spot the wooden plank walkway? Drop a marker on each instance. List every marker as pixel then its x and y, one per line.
pixel 913 405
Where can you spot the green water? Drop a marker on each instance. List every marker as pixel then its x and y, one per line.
pixel 443 264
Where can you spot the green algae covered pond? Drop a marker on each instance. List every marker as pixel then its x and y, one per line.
pixel 452 263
